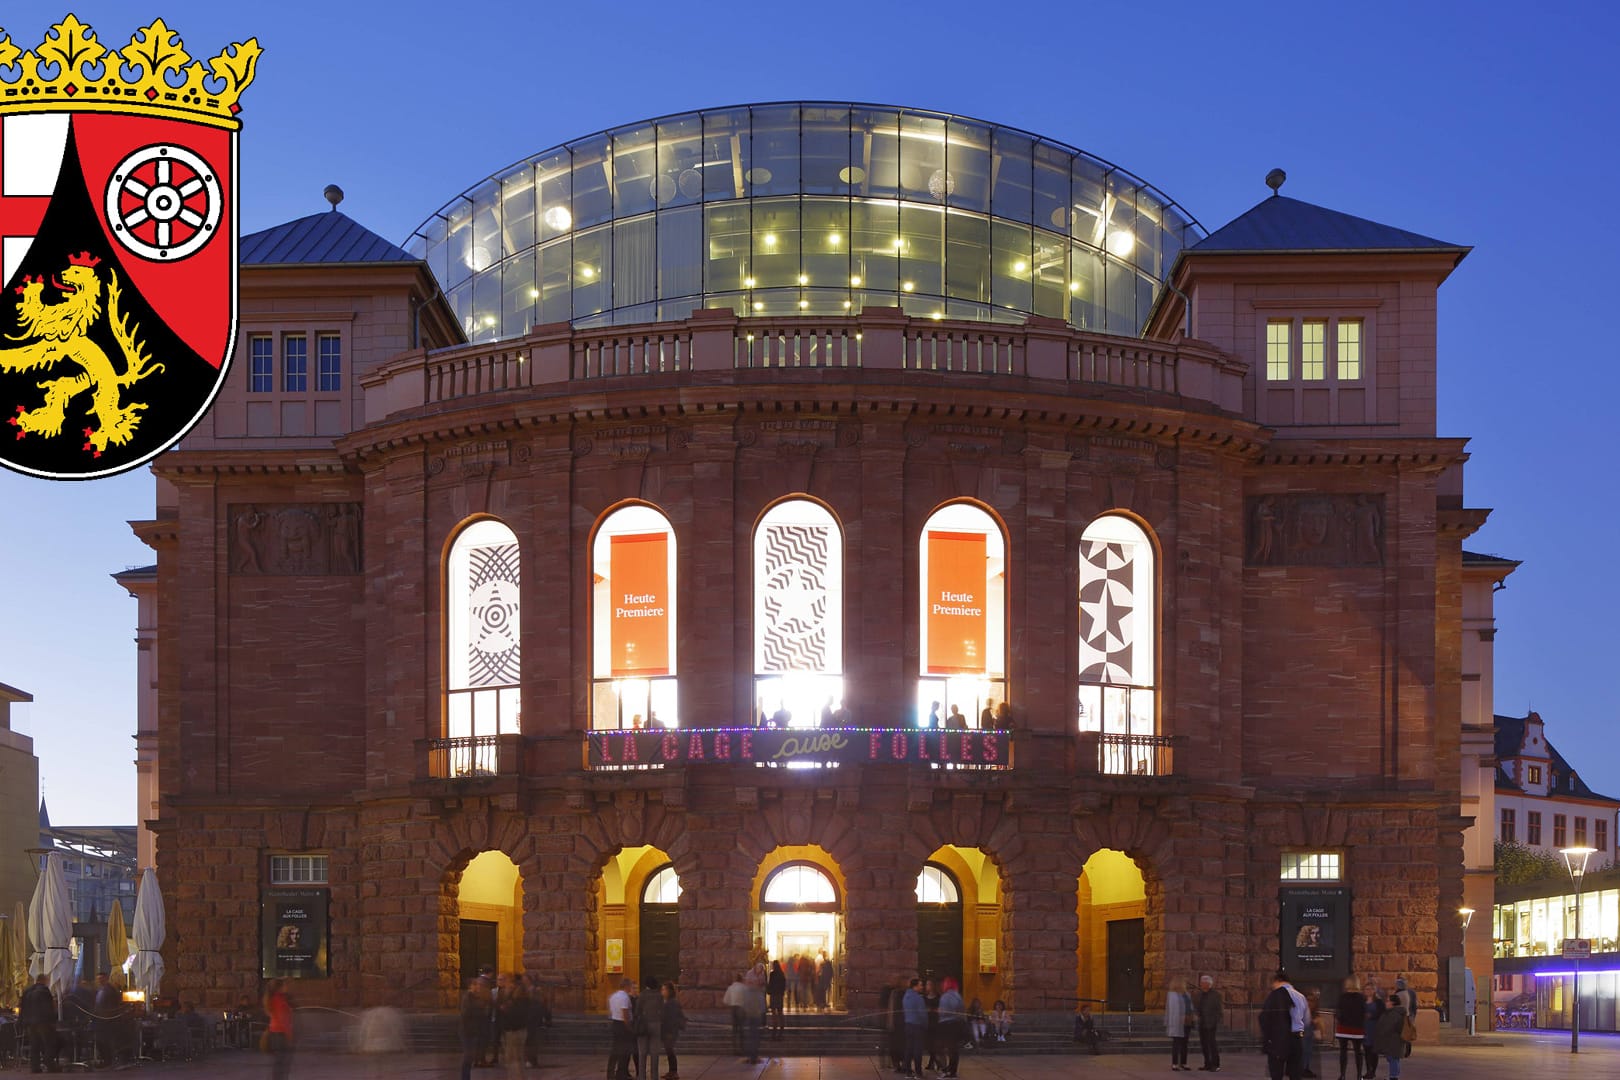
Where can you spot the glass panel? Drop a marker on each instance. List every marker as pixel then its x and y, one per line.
pixel 1089 183
pixel 967 243
pixel 725 237
pixel 922 159
pixel 875 232
pixel 520 295
pixel 593 195
pixel 935 886
pixel 799 885
pixel 662 888
pixel 1313 350
pixel 967 162
pixel 1011 170
pixel 680 161
pixel 487 306
pixel 554 182
pixel 1012 266
pixel 1149 229
pixel 1278 359
pixel 680 252
pixel 460 299
pixel 725 138
pixel 1121 297
pixel 1051 187
pixel 635 266
pixel 1117 629
pixel 593 270
pixel 436 248
pixel 922 252
pixel 459 243
pixel 635 161
pixel 773 167
pixel 1120 241
pixel 517 209
pixel 776 243
pixel 825 260
pixel 824 150
pixel 556 274
pixel 1085 287
pixel 875 144
pixel 1349 351
pixel 1048 283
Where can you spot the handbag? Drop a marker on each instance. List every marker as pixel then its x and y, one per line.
pixel 1408 1033
pixel 264 1041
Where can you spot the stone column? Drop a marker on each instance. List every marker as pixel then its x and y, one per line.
pixel 1040 929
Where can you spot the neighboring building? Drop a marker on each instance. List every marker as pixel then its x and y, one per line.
pixel 19 806
pixel 1541 800
pixel 567 590
pixel 1534 983
pixel 98 864
pixel 141 583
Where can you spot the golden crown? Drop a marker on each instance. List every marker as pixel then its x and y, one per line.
pixel 70 71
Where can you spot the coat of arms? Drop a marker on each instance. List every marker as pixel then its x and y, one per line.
pixel 118 228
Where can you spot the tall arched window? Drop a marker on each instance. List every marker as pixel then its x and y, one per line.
pixel 798 615
pixel 633 621
pixel 483 659
pixel 962 586
pixel 1118 639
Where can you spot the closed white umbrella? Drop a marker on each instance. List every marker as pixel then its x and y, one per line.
pixel 146 935
pixel 36 933
pixel 56 921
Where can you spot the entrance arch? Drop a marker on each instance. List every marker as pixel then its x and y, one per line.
pixel 960 935
pixel 661 926
pixel 489 913
pixel 799 914
pixel 638 924
pixel 1112 910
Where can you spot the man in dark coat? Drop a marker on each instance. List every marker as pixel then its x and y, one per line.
pixel 1209 1023
pixel 1281 1033
pixel 37 1012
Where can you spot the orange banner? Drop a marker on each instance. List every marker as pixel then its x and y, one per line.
pixel 638 589
pixel 956 603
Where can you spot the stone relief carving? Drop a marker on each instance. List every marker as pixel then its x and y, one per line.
pixel 311 539
pixel 1315 530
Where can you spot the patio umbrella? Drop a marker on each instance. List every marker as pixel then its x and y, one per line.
pixel 117 944
pixel 8 983
pixel 147 934
pixel 36 935
pixel 18 974
pixel 56 923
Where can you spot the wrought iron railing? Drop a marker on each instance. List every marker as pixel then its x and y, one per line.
pixel 1127 755
pixel 457 759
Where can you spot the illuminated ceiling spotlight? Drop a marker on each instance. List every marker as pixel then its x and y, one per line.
pixel 748 283
pixel 534 293
pixel 1120 243
pixel 587 272
pixel 847 305
pixel 759 174
pixel 852 174
pixel 1074 286
pixel 759 305
pixel 899 243
pixel 803 304
pixel 936 315
pixel 855 280
pixel 804 279
pixel 834 239
pixel 770 239
pixel 908 286
pixel 941 184
pixel 1020 266
pixel 558 218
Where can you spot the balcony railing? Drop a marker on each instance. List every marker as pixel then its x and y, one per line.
pixel 1127 755
pixel 717 340
pixel 479 756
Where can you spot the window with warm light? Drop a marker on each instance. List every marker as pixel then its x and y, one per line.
pixel 633 621
pixel 1313 350
pixel 799 885
pixel 1279 354
pixel 798 615
pixel 1118 640
pixel 1327 349
pixel 937 885
pixel 298 869
pixel 483 612
pixel 1312 866
pixel 1349 351
pixel 662 887
pixel 1533 774
pixel 962 586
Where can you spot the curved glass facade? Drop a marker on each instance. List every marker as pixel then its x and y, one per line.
pixel 804 209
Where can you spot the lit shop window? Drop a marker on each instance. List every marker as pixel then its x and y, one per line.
pixel 1312 866
pixel 633 621
pixel 483 664
pixel 798 615
pixel 1278 354
pixel 962 585
pixel 298 869
pixel 1117 636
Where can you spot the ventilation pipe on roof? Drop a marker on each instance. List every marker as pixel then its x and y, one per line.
pixel 1186 303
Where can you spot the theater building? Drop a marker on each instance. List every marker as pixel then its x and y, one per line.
pixel 816 529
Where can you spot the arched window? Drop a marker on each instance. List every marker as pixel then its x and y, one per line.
pixel 633 621
pixel 483 659
pixel 798 615
pixel 1118 639
pixel 962 587
pixel 936 885
pixel 798 886
pixel 662 888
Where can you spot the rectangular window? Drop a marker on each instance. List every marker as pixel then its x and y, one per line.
pixel 261 364
pixel 1560 831
pixel 1532 828
pixel 1278 356
pixel 1580 832
pixel 295 363
pixel 329 356
pixel 1535 774
pixel 1600 834
pixel 1508 834
pixel 1349 350
pixel 298 869
pixel 1311 866
pixel 1313 350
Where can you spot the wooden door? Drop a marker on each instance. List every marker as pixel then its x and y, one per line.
pixel 480 947
pixel 660 942
pixel 1125 956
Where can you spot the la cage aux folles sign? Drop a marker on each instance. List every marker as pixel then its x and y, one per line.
pixel 783 746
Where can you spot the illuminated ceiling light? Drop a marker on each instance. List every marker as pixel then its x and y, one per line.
pixel 899 242
pixel 587 272
pixel 1120 243
pixel 834 239
pixel 855 280
pixel 748 283
pixel 489 320
pixel 759 174
pixel 936 316
pixel 534 293
pixel 941 184
pixel 558 217
pixel 804 279
pixel 803 304
pixel 852 174
pixel 478 259
pixel 759 305
pixel 1074 286
pixel 846 305
pixel 907 286
pixel 770 239
pixel 1020 266
pixel 691 183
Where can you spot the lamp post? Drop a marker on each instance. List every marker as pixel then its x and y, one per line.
pixel 1465 915
pixel 1575 861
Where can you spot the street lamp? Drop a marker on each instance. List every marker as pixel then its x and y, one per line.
pixel 1575 861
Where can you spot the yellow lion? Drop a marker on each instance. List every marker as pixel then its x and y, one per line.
pixel 60 332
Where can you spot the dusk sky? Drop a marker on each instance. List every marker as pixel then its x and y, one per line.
pixel 1486 124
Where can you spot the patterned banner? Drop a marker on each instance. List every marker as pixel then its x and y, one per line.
pixel 492 657
pixel 796 601
pixel 638 588
pixel 967 749
pixel 956 603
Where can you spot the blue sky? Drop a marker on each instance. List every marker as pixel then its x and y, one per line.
pixel 1486 124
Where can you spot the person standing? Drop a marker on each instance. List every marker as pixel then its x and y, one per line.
pixel 622 1043
pixel 674 1022
pixel 790 971
pixel 647 1023
pixel 1283 1017
pixel 512 1021
pixel 987 718
pixel 1179 1019
pixel 915 1010
pixel 951 1023
pixel 931 999
pixel 733 1000
pixel 1350 1025
pixel 109 1010
pixel 36 1012
pixel 1210 1011
pixel 474 1009
pixel 753 1014
pixel 278 1007
pixel 1313 999
pixel 775 991
pixel 824 981
pixel 1387 1039
pixel 1374 996
pixel 1408 997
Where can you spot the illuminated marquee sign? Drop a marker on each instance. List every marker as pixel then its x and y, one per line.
pixel 979 749
pixel 638 580
pixel 956 603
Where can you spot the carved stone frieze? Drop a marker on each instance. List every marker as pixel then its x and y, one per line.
pixel 305 539
pixel 1315 530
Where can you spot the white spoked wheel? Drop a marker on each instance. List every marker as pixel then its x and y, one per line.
pixel 164 202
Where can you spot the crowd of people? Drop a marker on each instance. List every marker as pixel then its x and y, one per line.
pixel 925 1017
pixel 502 1017
pixel 1368 1024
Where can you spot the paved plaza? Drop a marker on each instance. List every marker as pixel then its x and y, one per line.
pixel 1512 1057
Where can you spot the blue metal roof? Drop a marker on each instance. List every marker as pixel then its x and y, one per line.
pixel 328 238
pixel 1283 224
